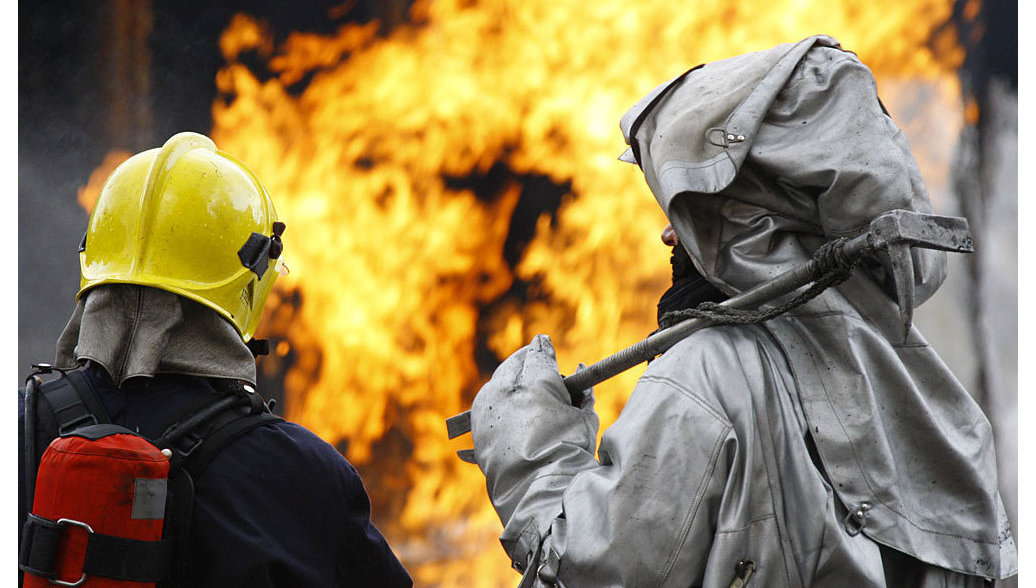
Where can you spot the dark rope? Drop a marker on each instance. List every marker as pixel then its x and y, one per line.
pixel 833 265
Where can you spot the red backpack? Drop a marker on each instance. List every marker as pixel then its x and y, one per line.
pixel 111 508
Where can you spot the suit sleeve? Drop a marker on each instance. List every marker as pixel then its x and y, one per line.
pixel 631 518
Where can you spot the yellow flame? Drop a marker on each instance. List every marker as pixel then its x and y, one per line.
pixel 398 274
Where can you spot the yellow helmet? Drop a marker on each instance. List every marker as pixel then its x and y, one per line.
pixel 190 219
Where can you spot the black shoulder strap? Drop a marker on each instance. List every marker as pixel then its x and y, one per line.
pixel 198 438
pixel 72 402
pixel 222 434
pixel 68 402
pixel 195 442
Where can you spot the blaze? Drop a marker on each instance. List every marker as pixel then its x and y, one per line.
pixel 87 195
pixel 405 166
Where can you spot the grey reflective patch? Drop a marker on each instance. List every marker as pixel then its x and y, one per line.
pixel 149 498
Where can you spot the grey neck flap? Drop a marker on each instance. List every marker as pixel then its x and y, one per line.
pixel 138 331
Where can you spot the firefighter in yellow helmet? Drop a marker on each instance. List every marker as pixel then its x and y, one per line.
pixel 180 254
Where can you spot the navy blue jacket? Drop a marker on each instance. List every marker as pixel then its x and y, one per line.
pixel 275 507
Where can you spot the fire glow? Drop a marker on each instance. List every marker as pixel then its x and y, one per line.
pixel 398 167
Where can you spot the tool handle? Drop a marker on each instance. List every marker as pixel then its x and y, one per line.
pixel 610 366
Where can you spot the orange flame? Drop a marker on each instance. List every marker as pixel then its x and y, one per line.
pixel 399 278
pixel 396 268
pixel 87 195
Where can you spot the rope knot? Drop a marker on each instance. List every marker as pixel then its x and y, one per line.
pixel 832 257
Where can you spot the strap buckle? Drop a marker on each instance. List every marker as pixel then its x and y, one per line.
pixel 90 531
pixel 81 421
pixel 45 568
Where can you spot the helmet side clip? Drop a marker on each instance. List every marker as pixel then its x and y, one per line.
pixel 259 249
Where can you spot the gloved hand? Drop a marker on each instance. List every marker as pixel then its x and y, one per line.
pixel 529 439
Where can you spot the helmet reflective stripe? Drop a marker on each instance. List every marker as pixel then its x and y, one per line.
pixel 175 218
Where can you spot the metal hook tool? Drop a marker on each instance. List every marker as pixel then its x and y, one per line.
pixel 894 232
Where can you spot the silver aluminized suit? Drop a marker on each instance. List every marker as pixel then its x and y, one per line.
pixel 755 443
